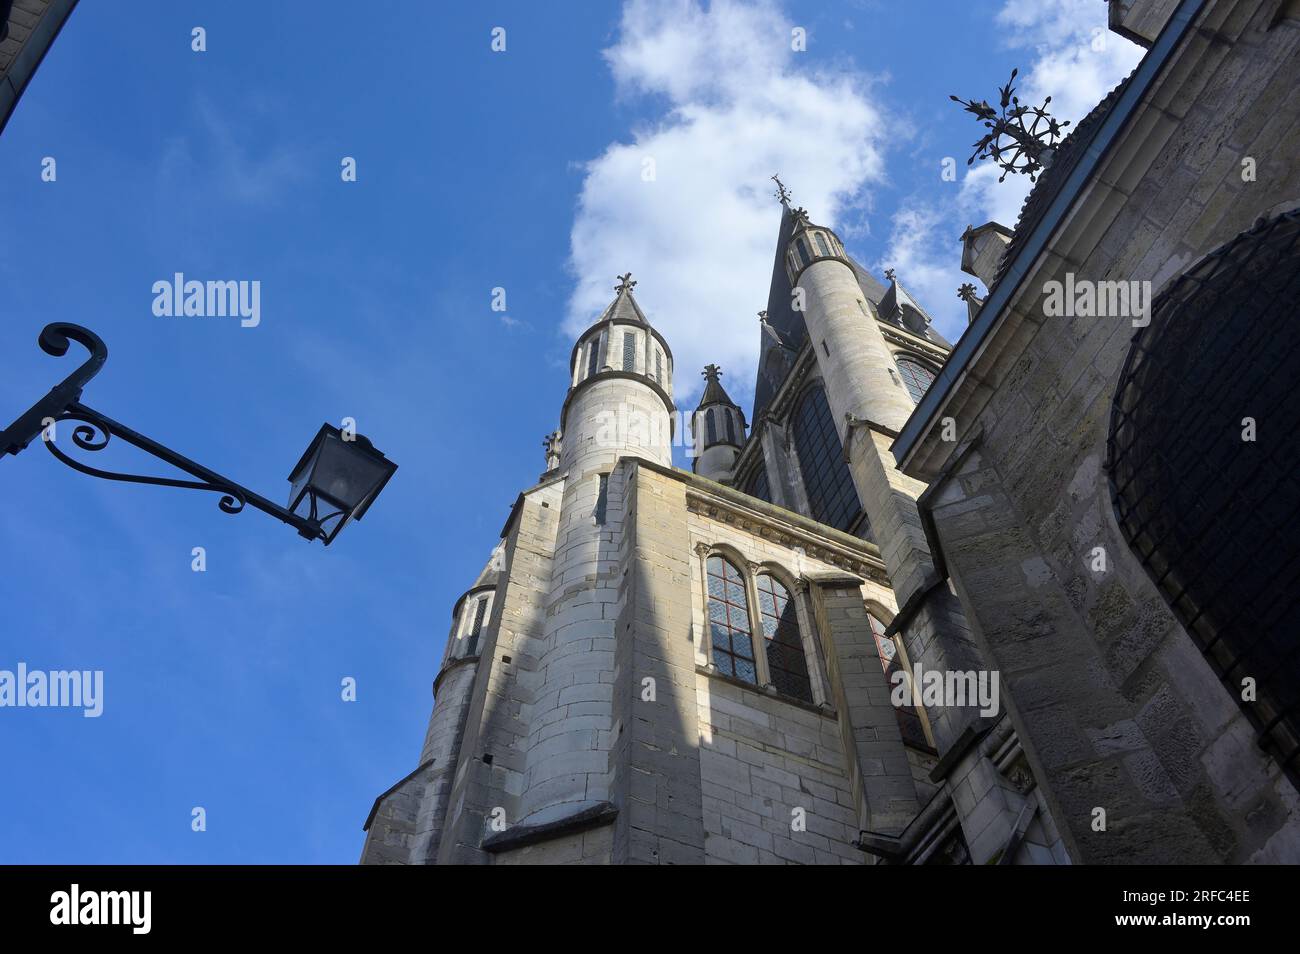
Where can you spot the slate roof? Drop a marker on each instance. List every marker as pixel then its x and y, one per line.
pixel 714 392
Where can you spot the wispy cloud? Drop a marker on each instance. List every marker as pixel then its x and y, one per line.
pixel 686 202
pixel 226 155
pixel 1077 62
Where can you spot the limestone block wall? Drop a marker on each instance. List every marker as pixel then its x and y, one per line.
pixel 761 761
pixel 654 760
pixel 1114 705
pixel 495 726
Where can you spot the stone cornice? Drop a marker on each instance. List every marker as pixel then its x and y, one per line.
pixel 731 507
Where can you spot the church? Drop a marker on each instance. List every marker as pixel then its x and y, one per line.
pixel 1085 519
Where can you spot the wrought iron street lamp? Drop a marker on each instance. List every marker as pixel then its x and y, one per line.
pixel 333 484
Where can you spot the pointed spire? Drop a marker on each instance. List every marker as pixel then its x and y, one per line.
pixel 901 308
pixel 624 306
pixel 551 444
pixel 782 193
pixel 714 392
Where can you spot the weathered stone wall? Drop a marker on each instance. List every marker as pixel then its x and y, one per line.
pixel 495 725
pixel 1114 705
pixel 761 759
pixel 655 758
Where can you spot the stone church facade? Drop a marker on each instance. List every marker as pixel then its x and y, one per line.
pixel 662 666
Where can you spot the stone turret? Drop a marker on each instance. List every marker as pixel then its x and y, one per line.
pixel 718 426
pixel 619 405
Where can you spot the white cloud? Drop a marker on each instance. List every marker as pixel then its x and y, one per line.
pixel 1076 62
pixel 738 105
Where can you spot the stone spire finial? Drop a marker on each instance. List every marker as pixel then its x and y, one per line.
pixel 762 316
pixel 782 193
pixel 551 444
pixel 711 372
pixel 800 216
pixel 966 291
pixel 625 283
pixel 889 275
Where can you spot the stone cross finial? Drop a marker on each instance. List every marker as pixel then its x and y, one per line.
pixel 782 193
pixel 966 291
pixel 625 283
pixel 889 274
pixel 551 444
pixel 711 372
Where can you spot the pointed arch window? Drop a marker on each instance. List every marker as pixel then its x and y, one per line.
pixel 916 377
pixel 832 498
pixel 730 418
pixel 593 356
pixel 629 351
pixel 822 247
pixel 711 428
pixel 732 639
pixel 785 656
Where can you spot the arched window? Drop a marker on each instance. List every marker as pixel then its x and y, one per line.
pixel 733 644
pixel 785 657
pixel 593 356
pixel 916 377
pixel 821 243
pixel 909 723
pixel 710 426
pixel 471 638
pixel 731 426
pixel 831 494
pixel 1205 503
pixel 758 485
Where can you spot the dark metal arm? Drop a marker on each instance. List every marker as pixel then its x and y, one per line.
pixel 234 496
pixel 54 341
pixel 63 403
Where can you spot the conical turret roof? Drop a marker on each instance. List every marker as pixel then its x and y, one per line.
pixel 714 392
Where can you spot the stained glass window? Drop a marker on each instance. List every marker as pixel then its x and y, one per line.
pixel 733 645
pixel 785 656
pixel 821 243
pixel 758 485
pixel 916 377
pixel 831 494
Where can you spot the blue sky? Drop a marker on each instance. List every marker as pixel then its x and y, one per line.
pixel 476 170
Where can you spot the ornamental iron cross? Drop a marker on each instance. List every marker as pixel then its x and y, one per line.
pixel 1012 143
pixel 782 193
